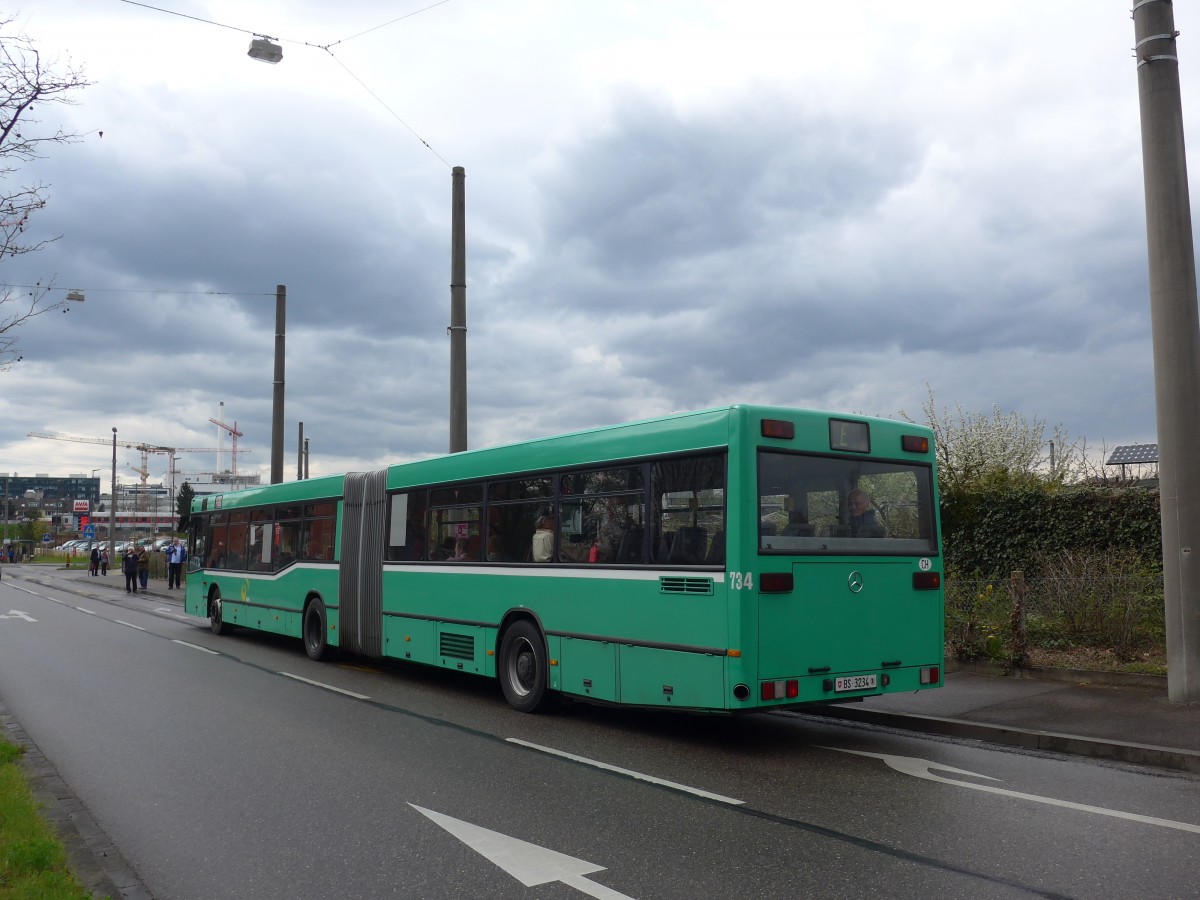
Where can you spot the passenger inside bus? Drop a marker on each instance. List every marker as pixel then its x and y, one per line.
pixel 863 522
pixel 543 539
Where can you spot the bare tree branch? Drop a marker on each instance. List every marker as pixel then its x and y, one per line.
pixel 27 84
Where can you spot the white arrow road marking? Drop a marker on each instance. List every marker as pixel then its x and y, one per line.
pixel 528 863
pixel 17 614
pixel 919 768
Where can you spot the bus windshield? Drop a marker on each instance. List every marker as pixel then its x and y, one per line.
pixel 812 504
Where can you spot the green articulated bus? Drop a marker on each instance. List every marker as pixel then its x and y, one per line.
pixel 733 559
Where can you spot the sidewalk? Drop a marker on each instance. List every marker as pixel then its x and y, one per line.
pixel 1121 718
pixel 1095 714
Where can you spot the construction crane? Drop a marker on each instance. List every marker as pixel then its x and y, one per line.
pixel 142 447
pixel 234 434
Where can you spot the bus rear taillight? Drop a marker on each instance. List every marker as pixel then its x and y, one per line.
pixel 930 674
pixel 927 581
pixel 914 443
pixel 775 583
pixel 781 690
pixel 778 428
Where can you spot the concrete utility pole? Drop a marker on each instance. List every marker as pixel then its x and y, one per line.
pixel 1176 331
pixel 277 397
pixel 112 507
pixel 300 454
pixel 458 313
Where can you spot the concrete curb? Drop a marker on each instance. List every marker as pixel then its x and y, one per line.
pixel 1098 748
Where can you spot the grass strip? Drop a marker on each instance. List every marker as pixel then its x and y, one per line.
pixel 33 863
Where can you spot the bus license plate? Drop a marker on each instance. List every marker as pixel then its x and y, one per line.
pixel 854 683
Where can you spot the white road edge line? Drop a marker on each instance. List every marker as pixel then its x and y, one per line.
pixel 129 625
pixel 195 647
pixel 629 772
pixel 328 687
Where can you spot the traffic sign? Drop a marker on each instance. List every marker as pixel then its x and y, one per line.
pixel 46 538
pixel 90 532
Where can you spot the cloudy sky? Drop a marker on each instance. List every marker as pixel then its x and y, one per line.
pixel 670 205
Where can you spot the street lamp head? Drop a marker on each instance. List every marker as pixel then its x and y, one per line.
pixel 261 48
pixel 76 295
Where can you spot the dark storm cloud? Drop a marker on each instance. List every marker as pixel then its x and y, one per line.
pixel 655 190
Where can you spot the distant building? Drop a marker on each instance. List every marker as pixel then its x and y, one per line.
pixel 46 487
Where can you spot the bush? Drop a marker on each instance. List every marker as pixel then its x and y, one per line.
pixel 1104 600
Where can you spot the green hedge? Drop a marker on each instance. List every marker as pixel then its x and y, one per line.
pixel 988 531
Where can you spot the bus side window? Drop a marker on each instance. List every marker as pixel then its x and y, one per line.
pixel 318 540
pixel 688 494
pixel 406 526
pixel 284 554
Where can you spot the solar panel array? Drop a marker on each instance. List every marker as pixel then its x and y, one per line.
pixel 1132 454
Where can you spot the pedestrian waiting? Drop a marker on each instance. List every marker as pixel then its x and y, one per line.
pixel 143 566
pixel 129 567
pixel 176 555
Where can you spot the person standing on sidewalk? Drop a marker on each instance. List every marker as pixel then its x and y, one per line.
pixel 143 566
pixel 104 562
pixel 129 566
pixel 94 562
pixel 175 555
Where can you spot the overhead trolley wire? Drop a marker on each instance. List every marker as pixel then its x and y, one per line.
pixel 326 48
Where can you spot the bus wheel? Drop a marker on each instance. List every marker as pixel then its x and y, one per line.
pixel 218 624
pixel 316 632
pixel 523 667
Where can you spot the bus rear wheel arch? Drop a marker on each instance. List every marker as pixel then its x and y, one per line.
pixel 216 618
pixel 316 630
pixel 523 667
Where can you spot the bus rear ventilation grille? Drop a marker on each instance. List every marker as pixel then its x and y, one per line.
pixel 669 584
pixel 458 646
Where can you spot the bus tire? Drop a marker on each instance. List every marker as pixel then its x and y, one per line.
pixel 316 631
pixel 523 670
pixel 215 620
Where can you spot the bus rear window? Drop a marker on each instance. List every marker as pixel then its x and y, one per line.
pixel 823 504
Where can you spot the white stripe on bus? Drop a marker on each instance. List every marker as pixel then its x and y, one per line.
pixel 600 574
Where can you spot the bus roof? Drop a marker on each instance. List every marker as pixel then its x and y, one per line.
pixel 674 433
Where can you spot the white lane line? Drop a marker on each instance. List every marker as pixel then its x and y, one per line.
pixel 196 647
pixel 88 611
pixel 167 612
pixel 25 590
pixel 129 624
pixel 328 687
pixel 629 772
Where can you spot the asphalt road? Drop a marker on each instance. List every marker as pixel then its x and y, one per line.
pixel 219 772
